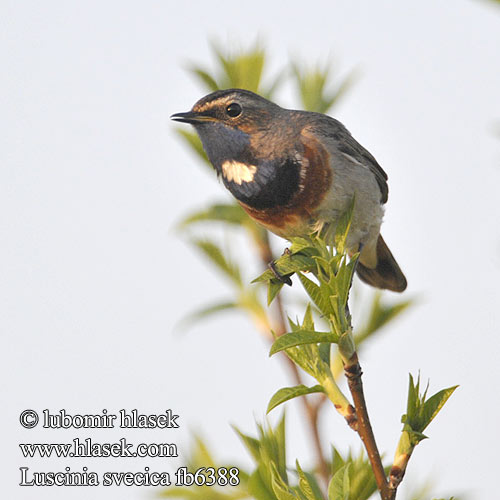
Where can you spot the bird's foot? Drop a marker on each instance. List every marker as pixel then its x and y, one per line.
pixel 278 275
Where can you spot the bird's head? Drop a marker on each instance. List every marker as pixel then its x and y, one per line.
pixel 230 123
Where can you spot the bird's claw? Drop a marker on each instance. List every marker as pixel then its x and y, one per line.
pixel 284 279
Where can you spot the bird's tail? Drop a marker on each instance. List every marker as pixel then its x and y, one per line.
pixel 386 274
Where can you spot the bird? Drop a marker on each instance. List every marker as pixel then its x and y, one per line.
pixel 295 172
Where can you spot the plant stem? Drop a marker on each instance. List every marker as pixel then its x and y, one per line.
pixel 401 459
pixel 396 475
pixel 364 429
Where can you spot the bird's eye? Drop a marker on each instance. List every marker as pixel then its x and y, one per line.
pixel 233 110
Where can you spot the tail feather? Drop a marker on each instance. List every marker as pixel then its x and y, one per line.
pixel 387 273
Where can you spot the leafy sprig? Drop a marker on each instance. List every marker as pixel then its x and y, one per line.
pixel 325 351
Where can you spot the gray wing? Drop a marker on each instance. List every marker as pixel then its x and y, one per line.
pixel 346 144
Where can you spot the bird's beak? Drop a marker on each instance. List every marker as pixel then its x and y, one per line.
pixel 191 117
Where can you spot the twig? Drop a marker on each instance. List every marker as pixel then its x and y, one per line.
pixel 353 373
pixel 398 468
pixel 396 476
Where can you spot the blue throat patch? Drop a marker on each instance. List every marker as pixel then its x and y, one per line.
pixel 260 185
pixel 273 185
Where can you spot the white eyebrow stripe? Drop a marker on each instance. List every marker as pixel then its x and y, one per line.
pixel 238 172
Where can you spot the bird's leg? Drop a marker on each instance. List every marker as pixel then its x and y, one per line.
pixel 278 275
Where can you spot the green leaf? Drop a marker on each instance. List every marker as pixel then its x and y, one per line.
pixel 274 287
pixel 347 271
pixel 208 311
pixel 200 454
pixel 287 393
pixel 414 436
pixel 318 295
pixel 301 337
pixel 362 479
pixel 434 404
pixel 300 244
pixel 241 70
pixel 258 488
pixel 304 486
pixel 299 257
pixel 343 227
pixel 420 411
pixel 381 314
pixel 280 488
pixel 207 80
pixel 250 69
pixel 308 321
pixel 214 253
pixel 324 351
pixel 201 457
pixel 303 359
pixel 286 265
pixel 337 460
pixel 268 450
pixel 283 493
pixel 338 489
pixel 316 89
pixel 308 485
pixel 316 488
pixel 251 444
pixel 280 444
pixel 206 493
pixel 229 213
pixel 362 482
pixel 413 402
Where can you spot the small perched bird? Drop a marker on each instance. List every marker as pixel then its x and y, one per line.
pixel 295 172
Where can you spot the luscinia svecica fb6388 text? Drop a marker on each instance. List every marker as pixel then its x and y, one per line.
pixel 295 172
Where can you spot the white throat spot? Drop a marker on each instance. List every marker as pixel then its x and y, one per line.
pixel 238 172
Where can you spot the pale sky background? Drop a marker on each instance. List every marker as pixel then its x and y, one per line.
pixel 93 181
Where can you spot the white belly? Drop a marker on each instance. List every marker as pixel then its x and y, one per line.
pixel 354 180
